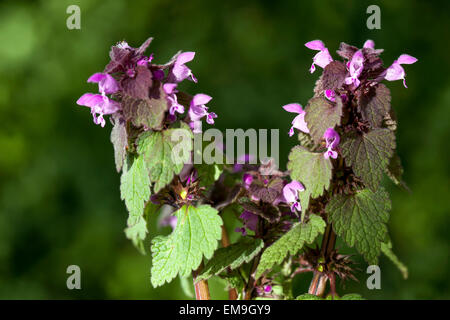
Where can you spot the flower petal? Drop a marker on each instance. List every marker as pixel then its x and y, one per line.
pixel 369 44
pixel 200 99
pixel 300 123
pixel 90 100
pixel 315 45
pixel 293 107
pixel 96 77
pixel 185 57
pixel 406 59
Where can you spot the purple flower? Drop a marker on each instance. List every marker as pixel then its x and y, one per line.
pixel 299 121
pixel 99 104
pixel 198 110
pixel 290 193
pixel 355 67
pixel 106 83
pixel 174 106
pixel 330 95
pixel 247 179
pixel 268 288
pixel 323 58
pixel 169 220
pixel 250 222
pixel 396 71
pixel 332 141
pixel 369 44
pixel 179 71
pixel 243 159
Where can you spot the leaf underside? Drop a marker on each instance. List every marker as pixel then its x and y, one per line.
pixel 231 257
pixel 291 243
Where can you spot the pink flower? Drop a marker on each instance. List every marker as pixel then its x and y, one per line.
pixel 290 193
pixel 369 44
pixel 179 71
pixel 198 110
pixel 171 89
pixel 355 67
pixel 250 222
pixel 106 83
pixel 330 95
pixel 99 104
pixel 247 179
pixel 299 121
pixel 396 71
pixel 323 58
pixel 332 141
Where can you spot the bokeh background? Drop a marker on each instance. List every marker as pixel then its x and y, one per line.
pixel 59 191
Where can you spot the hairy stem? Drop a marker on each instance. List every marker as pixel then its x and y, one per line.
pixel 319 280
pixel 251 280
pixel 232 293
pixel 201 287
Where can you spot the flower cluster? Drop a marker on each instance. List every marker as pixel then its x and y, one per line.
pixel 363 69
pixel 131 79
pixel 346 144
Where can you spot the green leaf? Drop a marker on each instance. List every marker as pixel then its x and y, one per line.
pixel 311 169
pixel 137 234
pixel 386 248
pixel 308 296
pixel 208 173
pixel 334 75
pixel 304 198
pixel 360 219
pixel 349 296
pixel 322 114
pixel 375 104
pixel 231 257
pixel 291 242
pixel 135 189
pixel 369 154
pixel 234 280
pixel 119 139
pixel 196 235
pixel 165 153
pixel 352 296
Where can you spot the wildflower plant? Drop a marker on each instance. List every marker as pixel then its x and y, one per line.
pixel 288 221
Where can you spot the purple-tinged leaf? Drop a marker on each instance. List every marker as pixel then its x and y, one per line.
pixel 322 114
pixel 333 75
pixel 369 154
pixel 138 87
pixel 374 104
pixel 267 192
pixel 346 51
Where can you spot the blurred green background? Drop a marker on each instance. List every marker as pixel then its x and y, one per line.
pixel 59 191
